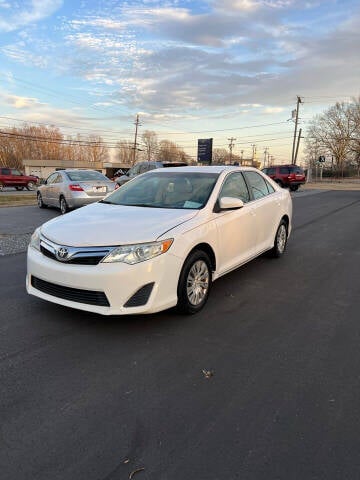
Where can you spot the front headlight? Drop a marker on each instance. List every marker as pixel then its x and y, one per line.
pixel 35 239
pixel 139 252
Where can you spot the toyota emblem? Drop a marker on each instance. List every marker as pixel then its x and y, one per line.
pixel 62 253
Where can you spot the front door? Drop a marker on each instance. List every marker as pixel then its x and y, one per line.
pixel 237 234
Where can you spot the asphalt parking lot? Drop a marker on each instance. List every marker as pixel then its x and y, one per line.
pixel 91 398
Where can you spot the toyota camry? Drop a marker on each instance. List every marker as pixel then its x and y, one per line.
pixel 159 241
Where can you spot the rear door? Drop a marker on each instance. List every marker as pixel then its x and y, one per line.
pixel 266 202
pixel 47 191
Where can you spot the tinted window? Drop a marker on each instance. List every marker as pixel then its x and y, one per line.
pixel 15 172
pixel 85 175
pixel 270 171
pixel 6 171
pixel 284 170
pixel 258 185
pixel 296 170
pixel 235 186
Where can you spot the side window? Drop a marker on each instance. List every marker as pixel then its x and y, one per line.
pixel 284 170
pixel 6 171
pixel 134 171
pixel 270 188
pixel 51 178
pixel 235 186
pixel 271 171
pixel 258 185
pixel 58 179
pixel 144 167
pixel 15 172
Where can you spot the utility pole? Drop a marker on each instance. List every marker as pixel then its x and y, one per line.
pixel 137 124
pixel 266 154
pixel 297 146
pixel 253 153
pixel 293 160
pixel 231 146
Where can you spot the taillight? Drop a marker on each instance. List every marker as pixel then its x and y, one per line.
pixel 75 188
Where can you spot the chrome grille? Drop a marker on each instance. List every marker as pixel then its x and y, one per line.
pixel 73 255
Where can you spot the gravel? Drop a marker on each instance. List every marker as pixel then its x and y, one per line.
pixel 10 244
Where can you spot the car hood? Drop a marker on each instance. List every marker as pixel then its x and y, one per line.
pixel 101 224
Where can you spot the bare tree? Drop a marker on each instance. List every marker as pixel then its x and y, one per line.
pixel 354 116
pixel 124 152
pixel 332 133
pixel 220 156
pixel 170 152
pixel 150 141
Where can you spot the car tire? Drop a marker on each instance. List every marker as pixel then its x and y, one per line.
pixel 280 183
pixel 19 188
pixel 64 208
pixel 30 186
pixel 194 283
pixel 1 186
pixel 293 188
pixel 40 202
pixel 280 240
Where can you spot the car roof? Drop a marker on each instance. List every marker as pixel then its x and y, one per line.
pixel 206 169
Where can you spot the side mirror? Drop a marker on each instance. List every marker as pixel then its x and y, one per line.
pixel 230 203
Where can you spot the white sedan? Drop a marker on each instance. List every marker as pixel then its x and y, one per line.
pixel 159 241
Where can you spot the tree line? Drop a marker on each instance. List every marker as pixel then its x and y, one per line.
pixel 335 134
pixel 49 143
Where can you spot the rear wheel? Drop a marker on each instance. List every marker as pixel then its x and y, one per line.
pixel 293 188
pixel 40 202
pixel 280 183
pixel 30 186
pixel 63 206
pixel 194 283
pixel 280 240
pixel 19 188
pixel 1 186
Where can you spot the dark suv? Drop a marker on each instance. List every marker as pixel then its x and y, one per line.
pixel 291 176
pixel 10 177
pixel 143 167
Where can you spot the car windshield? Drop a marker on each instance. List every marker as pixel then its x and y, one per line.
pixel 85 175
pixel 187 190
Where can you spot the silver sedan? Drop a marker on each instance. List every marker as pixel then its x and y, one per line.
pixel 67 189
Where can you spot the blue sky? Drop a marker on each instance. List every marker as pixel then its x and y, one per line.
pixel 216 68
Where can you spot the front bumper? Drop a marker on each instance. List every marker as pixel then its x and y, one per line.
pixel 118 281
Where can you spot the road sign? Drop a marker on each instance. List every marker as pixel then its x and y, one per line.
pixel 205 150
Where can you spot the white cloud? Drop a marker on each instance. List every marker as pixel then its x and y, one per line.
pixel 27 12
pixel 19 102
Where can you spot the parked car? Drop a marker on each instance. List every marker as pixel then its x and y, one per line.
pixel 291 176
pixel 73 188
pixel 159 240
pixel 11 177
pixel 143 167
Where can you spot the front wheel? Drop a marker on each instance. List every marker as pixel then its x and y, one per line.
pixel 194 283
pixel 280 240
pixel 63 206
pixel 30 186
pixel 19 188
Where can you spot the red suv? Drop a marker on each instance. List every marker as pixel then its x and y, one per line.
pixel 291 176
pixel 10 177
